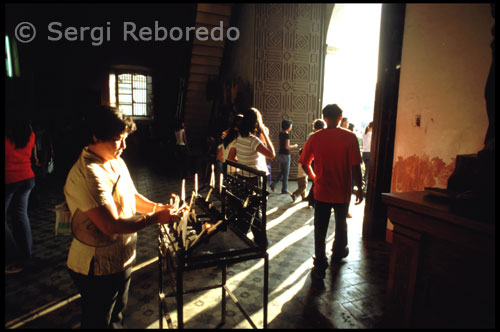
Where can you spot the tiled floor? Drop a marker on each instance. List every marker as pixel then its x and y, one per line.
pixel 43 295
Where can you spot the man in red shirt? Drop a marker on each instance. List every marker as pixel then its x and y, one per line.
pixel 337 161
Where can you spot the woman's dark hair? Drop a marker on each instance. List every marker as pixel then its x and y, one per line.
pixel 248 124
pixel 285 124
pixel 18 129
pixel 106 123
pixel 232 133
pixel 179 124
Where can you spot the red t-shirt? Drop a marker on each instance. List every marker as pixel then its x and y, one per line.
pixel 334 152
pixel 18 162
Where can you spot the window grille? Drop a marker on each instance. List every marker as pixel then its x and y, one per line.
pixel 132 93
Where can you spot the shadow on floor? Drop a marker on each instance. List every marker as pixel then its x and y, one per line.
pixel 352 295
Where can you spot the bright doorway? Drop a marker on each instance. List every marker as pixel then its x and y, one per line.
pixel 351 61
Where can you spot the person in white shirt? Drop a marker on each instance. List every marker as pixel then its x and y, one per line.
pixel 251 151
pixel 181 148
pixel 104 203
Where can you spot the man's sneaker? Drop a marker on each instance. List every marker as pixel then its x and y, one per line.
pixel 338 255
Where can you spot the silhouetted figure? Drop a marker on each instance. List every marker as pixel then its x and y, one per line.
pixel 181 147
pixel 284 157
pixel 19 182
pixel 365 148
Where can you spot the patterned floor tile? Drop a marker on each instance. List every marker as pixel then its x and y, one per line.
pixel 44 296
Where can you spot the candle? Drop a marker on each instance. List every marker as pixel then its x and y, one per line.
pixel 196 184
pixel 212 178
pixel 220 182
pixel 183 190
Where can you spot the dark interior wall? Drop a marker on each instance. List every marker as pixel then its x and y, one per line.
pixel 279 54
pixel 240 62
pixel 64 78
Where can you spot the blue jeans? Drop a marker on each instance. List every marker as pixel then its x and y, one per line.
pixel 18 241
pixel 322 213
pixel 284 160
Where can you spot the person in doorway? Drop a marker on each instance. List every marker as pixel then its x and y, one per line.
pixel 181 147
pixel 351 128
pixel 318 124
pixel 301 183
pixel 104 203
pixel 284 157
pixel 337 160
pixel 19 182
pixel 344 123
pixel 367 141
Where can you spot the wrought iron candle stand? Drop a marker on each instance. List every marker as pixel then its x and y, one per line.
pixel 213 232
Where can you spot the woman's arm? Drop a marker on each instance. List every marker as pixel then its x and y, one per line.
pixel 288 146
pixel 106 220
pixel 35 155
pixel 232 154
pixel 267 149
pixel 144 205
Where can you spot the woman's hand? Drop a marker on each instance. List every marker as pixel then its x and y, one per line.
pixel 161 207
pixel 166 214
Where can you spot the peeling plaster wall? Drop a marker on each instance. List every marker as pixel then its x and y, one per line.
pixel 446 58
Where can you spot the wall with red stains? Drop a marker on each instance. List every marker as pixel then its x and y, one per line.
pixel 441 108
pixel 420 171
pixel 441 113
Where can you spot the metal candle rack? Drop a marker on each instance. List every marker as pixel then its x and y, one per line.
pixel 213 232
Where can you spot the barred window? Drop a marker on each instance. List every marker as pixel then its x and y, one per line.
pixel 132 93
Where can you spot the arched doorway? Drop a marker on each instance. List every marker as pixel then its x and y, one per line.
pixel 350 74
pixel 382 96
